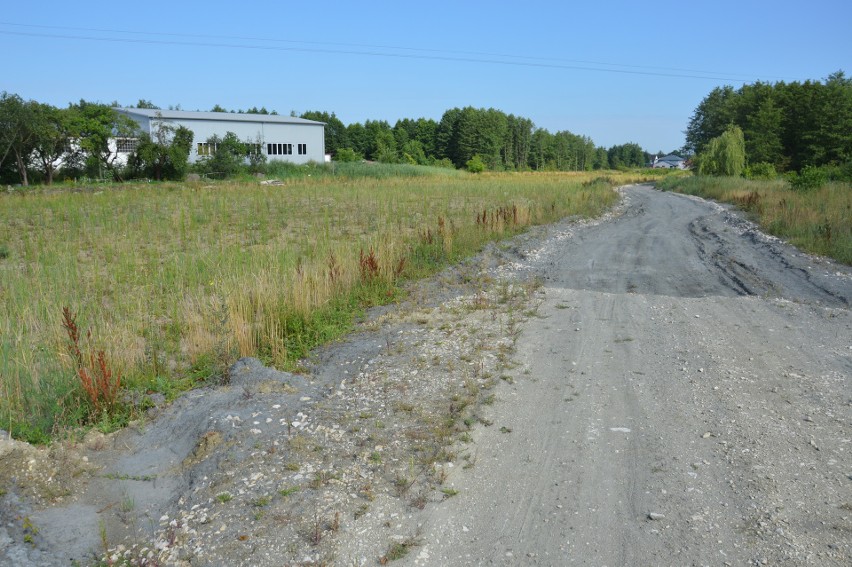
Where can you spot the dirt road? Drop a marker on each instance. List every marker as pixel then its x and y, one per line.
pixel 664 386
pixel 688 401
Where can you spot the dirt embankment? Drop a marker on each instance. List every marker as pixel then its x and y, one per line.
pixel 664 386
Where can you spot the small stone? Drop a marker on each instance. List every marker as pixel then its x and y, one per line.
pixel 706 435
pixel 656 516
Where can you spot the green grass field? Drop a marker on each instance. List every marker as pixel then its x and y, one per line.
pixel 175 281
pixel 818 221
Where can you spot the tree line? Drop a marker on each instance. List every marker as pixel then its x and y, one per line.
pixel 783 126
pixel 500 141
pixel 39 142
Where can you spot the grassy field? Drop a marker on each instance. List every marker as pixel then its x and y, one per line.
pixel 174 281
pixel 819 220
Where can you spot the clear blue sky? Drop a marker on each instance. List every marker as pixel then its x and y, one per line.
pixel 614 71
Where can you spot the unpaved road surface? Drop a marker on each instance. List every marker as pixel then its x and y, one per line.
pixel 665 386
pixel 688 402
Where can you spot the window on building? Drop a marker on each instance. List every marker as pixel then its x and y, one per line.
pixel 253 149
pixel 126 145
pixel 279 149
pixel 303 149
pixel 203 149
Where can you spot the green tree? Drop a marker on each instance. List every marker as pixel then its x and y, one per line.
pixel 541 150
pixel 626 155
pixel 163 155
pixel 601 159
pixel 480 132
pixel 380 141
pixel 147 104
pixel 227 155
pixel 96 125
pixel 53 132
pixel 711 117
pixel 724 155
pixel 517 143
pixel 790 125
pixel 412 152
pixel 446 139
pixel 16 132
pixel 356 134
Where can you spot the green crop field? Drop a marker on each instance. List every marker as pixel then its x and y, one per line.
pixel 175 281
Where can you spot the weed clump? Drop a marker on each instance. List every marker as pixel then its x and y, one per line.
pixel 100 383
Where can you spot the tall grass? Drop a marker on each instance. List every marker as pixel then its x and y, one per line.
pixel 818 220
pixel 174 281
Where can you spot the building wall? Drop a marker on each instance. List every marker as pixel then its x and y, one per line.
pixel 311 137
pixel 307 141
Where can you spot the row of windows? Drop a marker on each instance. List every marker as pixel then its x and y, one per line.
pixel 205 149
pixel 126 145
pixel 279 149
pixel 286 149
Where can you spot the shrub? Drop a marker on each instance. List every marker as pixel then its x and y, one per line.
pixel 475 164
pixel 760 170
pixel 810 178
pixel 346 155
pixel 443 162
pixel 227 156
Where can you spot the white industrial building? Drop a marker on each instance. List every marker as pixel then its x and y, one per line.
pixel 283 138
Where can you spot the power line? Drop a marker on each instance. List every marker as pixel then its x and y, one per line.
pixel 376 46
pixel 421 56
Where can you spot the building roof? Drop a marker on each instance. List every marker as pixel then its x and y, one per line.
pixel 671 158
pixel 218 116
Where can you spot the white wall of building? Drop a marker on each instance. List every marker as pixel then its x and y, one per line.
pixel 304 138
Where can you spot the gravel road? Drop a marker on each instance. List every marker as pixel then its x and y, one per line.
pixel 663 386
pixel 687 401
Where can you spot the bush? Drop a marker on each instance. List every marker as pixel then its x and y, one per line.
pixel 841 173
pixel 443 162
pixel 227 156
pixel 347 155
pixel 475 164
pixel 760 170
pixel 810 178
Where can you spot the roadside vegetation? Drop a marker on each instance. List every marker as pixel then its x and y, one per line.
pixel 158 287
pixel 781 152
pixel 818 220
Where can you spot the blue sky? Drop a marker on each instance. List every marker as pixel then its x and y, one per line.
pixel 617 71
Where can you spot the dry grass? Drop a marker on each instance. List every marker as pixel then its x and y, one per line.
pixel 177 280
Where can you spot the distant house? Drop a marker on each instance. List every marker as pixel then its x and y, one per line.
pixel 670 161
pixel 281 138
